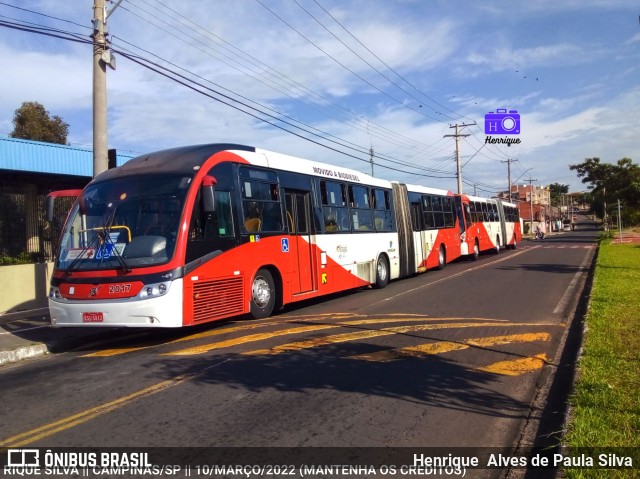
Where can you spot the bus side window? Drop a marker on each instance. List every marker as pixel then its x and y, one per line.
pixel 218 224
pixel 261 206
pixel 361 208
pixel 427 212
pixel 382 210
pixel 449 221
pixel 334 207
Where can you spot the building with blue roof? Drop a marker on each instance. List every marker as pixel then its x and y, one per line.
pixel 29 170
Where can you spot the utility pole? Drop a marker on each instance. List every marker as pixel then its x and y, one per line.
pixel 508 162
pixel 100 159
pixel 619 222
pixel 102 57
pixel 371 159
pixel 531 180
pixel 457 136
pixel 604 217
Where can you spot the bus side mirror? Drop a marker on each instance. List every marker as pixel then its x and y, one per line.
pixel 208 194
pixel 49 204
pixel 51 199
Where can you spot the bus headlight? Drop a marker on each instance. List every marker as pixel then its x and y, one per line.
pixel 154 290
pixel 54 293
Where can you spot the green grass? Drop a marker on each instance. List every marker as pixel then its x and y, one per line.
pixel 605 406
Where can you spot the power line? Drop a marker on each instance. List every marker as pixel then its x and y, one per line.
pixel 360 57
pixel 346 67
pixel 227 100
pixel 387 66
pixel 380 131
pixel 71 36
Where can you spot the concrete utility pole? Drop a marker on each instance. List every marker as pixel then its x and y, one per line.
pixel 457 136
pixel 371 159
pixel 100 160
pixel 508 162
pixel 531 180
pixel 102 57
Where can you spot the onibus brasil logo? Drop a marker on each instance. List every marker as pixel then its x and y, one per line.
pixel 502 122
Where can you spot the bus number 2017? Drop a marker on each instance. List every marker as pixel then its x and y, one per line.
pixel 119 288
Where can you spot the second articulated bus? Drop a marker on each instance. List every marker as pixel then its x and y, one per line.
pixel 195 234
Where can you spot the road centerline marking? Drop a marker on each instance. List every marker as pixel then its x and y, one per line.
pixel 47 430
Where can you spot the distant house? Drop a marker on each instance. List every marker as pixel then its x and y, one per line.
pixel 29 170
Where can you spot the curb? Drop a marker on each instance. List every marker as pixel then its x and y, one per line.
pixel 25 352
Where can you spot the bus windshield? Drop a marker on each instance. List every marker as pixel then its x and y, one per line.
pixel 124 223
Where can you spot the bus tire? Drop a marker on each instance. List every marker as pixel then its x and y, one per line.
pixel 442 257
pixel 382 272
pixel 515 244
pixel 263 295
pixel 496 250
pixel 476 251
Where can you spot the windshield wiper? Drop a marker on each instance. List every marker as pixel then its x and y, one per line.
pixel 105 235
pixel 81 255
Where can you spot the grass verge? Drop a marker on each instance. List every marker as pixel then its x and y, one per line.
pixel 605 405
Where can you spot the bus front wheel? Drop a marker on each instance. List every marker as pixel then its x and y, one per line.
pixel 263 294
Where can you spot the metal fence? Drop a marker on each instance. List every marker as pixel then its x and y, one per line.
pixel 25 234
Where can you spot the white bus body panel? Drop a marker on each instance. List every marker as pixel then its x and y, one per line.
pixel 159 312
pixel 358 252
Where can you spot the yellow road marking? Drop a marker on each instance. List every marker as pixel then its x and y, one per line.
pixel 34 435
pixel 247 327
pixel 304 329
pixel 112 352
pixel 414 351
pixel 442 347
pixel 516 367
pixel 204 334
pixel 246 339
pixel 513 338
pixel 339 338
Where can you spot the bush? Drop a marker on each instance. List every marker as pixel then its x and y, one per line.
pixel 22 258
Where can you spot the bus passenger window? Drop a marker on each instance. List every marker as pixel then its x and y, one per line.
pixel 261 206
pixel 330 221
pixel 334 211
pixel 360 208
pixel 382 210
pixel 253 215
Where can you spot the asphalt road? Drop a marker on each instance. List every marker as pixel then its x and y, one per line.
pixel 462 357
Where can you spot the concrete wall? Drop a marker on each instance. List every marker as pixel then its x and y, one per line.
pixel 24 286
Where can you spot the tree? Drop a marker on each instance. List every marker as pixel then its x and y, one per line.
pixel 610 183
pixel 557 190
pixel 32 122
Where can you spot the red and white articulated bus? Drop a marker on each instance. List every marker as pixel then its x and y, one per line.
pixel 195 234
pixel 491 224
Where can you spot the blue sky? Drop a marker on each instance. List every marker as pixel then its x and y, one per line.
pixel 391 75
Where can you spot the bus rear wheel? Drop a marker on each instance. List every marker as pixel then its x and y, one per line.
pixel 382 272
pixel 476 251
pixel 263 295
pixel 442 257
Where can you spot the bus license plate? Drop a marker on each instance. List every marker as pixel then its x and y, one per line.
pixel 92 317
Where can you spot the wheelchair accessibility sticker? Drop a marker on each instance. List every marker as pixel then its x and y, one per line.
pixel 285 245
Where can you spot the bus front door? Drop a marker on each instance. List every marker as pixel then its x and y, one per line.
pixel 298 204
pixel 463 216
pixel 421 252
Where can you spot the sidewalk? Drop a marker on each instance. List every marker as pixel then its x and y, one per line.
pixel 28 334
